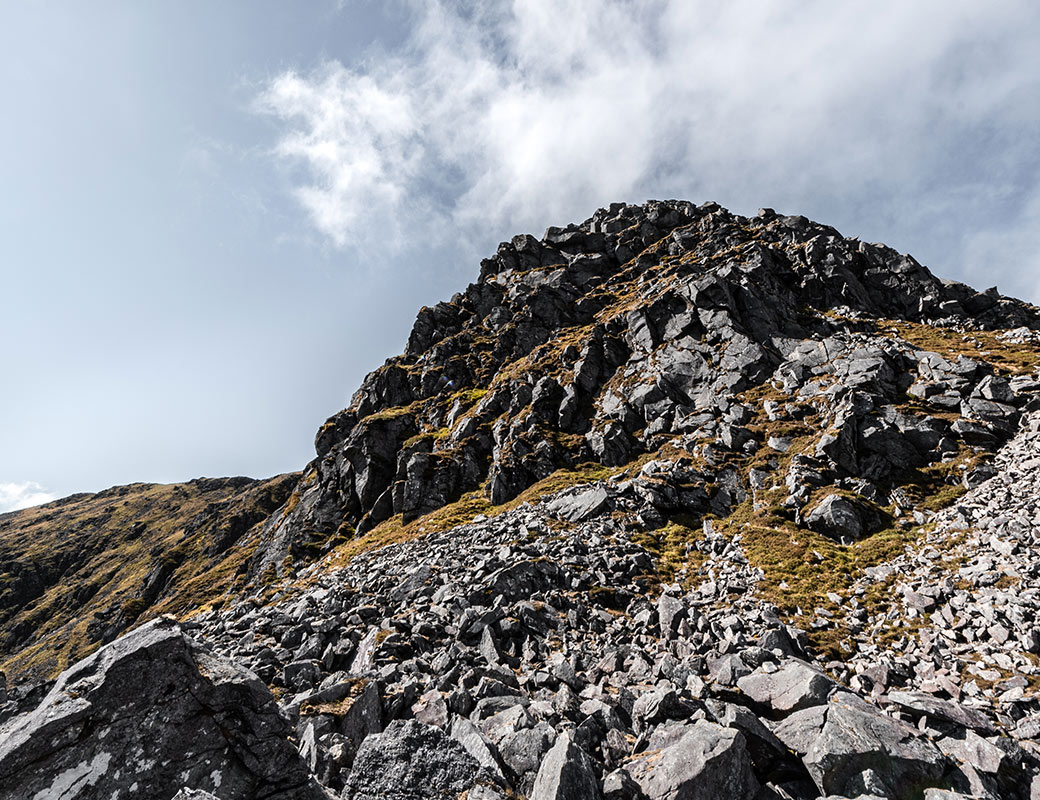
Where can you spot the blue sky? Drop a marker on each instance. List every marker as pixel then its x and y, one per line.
pixel 217 217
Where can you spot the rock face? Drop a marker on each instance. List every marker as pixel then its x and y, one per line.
pixel 566 773
pixel 145 716
pixel 602 340
pixel 851 748
pixel 669 504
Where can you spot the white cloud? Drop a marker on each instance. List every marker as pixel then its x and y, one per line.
pixel 892 116
pixel 15 496
pixel 359 138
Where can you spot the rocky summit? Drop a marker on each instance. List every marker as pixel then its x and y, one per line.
pixel 669 504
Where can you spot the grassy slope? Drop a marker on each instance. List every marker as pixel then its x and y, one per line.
pixel 75 571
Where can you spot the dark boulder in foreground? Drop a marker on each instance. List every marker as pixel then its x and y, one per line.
pixel 146 716
pixel 412 760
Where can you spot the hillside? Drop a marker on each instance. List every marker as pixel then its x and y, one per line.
pixel 77 572
pixel 670 503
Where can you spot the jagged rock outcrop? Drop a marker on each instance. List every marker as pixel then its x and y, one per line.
pixel 147 715
pixel 603 340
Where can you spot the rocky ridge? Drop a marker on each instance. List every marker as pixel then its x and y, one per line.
pixel 672 503
pixel 641 326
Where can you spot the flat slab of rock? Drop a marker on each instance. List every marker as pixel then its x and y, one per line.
pixel 582 504
pixel 709 762
pixel 155 711
pixel 944 710
pixel 794 686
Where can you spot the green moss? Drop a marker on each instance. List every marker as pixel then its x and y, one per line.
pixel 433 435
pixel 389 413
pixel 981 345
pixel 468 397
pixel 673 550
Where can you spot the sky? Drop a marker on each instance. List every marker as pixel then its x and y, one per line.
pixel 216 218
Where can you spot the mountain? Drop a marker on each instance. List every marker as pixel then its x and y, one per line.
pixel 671 503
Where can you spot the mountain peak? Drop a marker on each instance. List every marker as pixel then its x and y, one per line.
pixel 607 340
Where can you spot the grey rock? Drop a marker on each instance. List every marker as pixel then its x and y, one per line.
pixel 485 792
pixel 707 763
pixel 355 708
pixel 523 750
pixel 300 675
pixel 512 719
pixel 943 709
pixel 566 773
pixel 794 686
pixel 580 504
pixel 477 745
pixel 431 709
pixel 767 752
pixel 619 785
pixel 837 517
pixel 409 760
pixel 727 669
pixel 670 612
pixel 153 710
pixel 841 741
pixel 656 706
pixel 972 749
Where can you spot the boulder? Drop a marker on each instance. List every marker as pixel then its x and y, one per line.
pixel 670 613
pixel 618 785
pixel 580 504
pixel 657 705
pixel 768 754
pixel 945 710
pixel 476 744
pixel 431 709
pixel 149 714
pixel 851 748
pixel 707 763
pixel 794 686
pixel 409 760
pixel 523 751
pixel 566 773
pixel 836 517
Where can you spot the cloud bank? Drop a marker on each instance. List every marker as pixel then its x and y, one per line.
pixel 16 496
pixel 913 120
